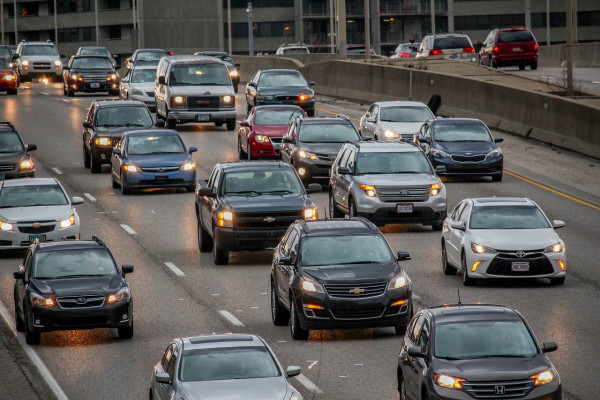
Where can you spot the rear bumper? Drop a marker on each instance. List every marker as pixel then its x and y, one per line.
pixel 247 239
pixel 515 59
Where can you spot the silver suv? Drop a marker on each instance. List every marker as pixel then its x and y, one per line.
pixel 38 60
pixel 387 183
pixel 453 46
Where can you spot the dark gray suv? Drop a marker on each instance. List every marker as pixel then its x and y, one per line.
pixel 15 161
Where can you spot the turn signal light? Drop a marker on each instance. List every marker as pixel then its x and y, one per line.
pixel 314 307
pixel 435 52
pixel 561 263
pixel 475 265
pixel 468 50
pixel 398 303
pixel 49 302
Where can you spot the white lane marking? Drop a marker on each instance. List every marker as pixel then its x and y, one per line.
pixel 416 297
pixel 90 197
pixel 173 268
pixel 254 308
pixel 312 364
pixel 282 341
pixel 595 81
pixel 264 292
pixel 57 171
pixel 307 383
pixel 33 356
pixel 65 100
pixel 231 318
pixel 341 376
pixel 358 365
pixel 215 294
pixel 45 94
pixel 128 229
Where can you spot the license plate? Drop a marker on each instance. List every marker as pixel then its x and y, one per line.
pixel 454 56
pixel 516 49
pixel 202 117
pixel 520 266
pixel 32 238
pixel 404 208
pixel 161 177
pixel 94 85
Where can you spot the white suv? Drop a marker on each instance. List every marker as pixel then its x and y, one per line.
pixel 453 46
pixel 38 59
pixel 292 48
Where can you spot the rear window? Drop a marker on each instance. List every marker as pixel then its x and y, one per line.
pixel 515 36
pixel 459 42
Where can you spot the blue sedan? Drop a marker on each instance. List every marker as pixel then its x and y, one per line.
pixel 153 158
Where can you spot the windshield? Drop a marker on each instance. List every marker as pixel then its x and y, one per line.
pixel 291 79
pixel 226 59
pixel 483 339
pixel 111 117
pixel 4 64
pixel 296 50
pixel 405 114
pixel 149 56
pixel 215 364
pixel 461 133
pixel 5 52
pixel 199 74
pixel 73 263
pixel 451 43
pixel 515 36
pixel 261 182
pixel 32 195
pixel 39 50
pixel 91 63
pixel 143 75
pixel 10 143
pixel 327 133
pixel 91 51
pixel 276 117
pixel 154 144
pixel 392 163
pixel 352 249
pixel 508 217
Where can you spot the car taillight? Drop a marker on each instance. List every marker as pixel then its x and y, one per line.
pixel 169 53
pixel 495 49
pixel 435 52
pixel 404 55
pixel 535 47
pixel 468 50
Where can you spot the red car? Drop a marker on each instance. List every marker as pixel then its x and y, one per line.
pixel 507 47
pixel 8 78
pixel 260 134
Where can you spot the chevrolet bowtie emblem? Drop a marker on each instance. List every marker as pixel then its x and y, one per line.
pixel 357 291
pixel 36 225
pixel 269 219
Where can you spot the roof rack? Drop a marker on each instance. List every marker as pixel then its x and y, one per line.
pixel 98 240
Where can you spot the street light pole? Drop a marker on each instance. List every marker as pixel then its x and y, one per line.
pixel 96 19
pixel 55 25
pixel 250 30
pixel 2 19
pixel 569 47
pixel 16 33
pixel 432 5
pixel 134 34
pixel 341 30
pixel 331 26
pixel 547 22
pixel 230 44
pixel 367 31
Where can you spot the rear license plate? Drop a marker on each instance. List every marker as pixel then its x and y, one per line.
pixel 516 49
pixel 32 238
pixel 202 117
pixel 520 266
pixel 454 56
pixel 404 208
pixel 94 85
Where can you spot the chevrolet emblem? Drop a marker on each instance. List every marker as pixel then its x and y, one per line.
pixel 269 219
pixel 36 225
pixel 357 291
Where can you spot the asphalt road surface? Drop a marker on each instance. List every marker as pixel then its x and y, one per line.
pixel 586 80
pixel 156 230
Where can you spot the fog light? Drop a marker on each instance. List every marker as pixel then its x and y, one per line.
pixel 475 265
pixel 561 263
pixel 398 303
pixel 301 171
pixel 314 307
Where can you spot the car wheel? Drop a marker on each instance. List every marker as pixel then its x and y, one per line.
pixel 295 329
pixel 125 332
pixel 190 189
pixel 20 324
pixel 557 281
pixel 467 281
pixel 279 315
pixel 438 226
pixel 493 63
pixel 171 124
pixel 241 153
pixel 400 329
pixel 249 155
pixel 11 92
pixel 402 388
pixel 205 242
pixel 124 189
pixel 86 157
pixel 235 88
pixel 351 209
pixel 218 124
pixel 521 67
pixel 425 395
pixel 115 185
pixel 114 93
pixel 32 337
pixel 496 178
pixel 70 93
pixel 220 256
pixel 231 124
pixel 333 210
pixel 447 268
pixel 95 166
pixel 533 66
pixel 310 113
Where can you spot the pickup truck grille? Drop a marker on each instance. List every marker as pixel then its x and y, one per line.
pixel 266 219
pixel 403 193
pixel 203 103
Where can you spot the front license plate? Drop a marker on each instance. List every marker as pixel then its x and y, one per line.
pixel 516 49
pixel 202 117
pixel 94 85
pixel 520 266
pixel 404 208
pixel 161 177
pixel 32 238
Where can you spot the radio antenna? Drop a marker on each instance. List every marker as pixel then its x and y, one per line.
pixel 325 212
pixel 459 303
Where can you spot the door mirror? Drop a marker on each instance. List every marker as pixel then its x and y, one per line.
pixel 440 169
pixel 162 377
pixel 31 147
pixel 556 224
pixel 87 125
pixel 403 256
pixel 117 152
pixel 252 84
pixel 371 119
pixel 244 123
pixel 66 68
pixel 77 200
pixel 16 56
pixel 237 65
pixel 19 274
pixel 498 140
pixel 311 83
pixel 416 352
pixel 547 347
pixel 127 269
pixel 117 66
pixel 292 370
pixel 160 123
pixel 205 191
pixel 344 170
pixel 162 80
pixel 423 139
pixel 460 225
pixel 313 188
pixel 287 260
pixel 288 139
pixel 192 149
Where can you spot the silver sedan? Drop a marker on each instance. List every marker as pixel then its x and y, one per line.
pixel 138 84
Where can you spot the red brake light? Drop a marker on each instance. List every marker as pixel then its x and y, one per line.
pixel 535 47
pixel 435 52
pixel 468 50
pixel 169 53
pixel 495 49
pixel 404 54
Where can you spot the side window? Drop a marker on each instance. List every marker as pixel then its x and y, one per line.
pixel 376 111
pixel 426 131
pixel 255 79
pixel 370 112
pixel 464 214
pixel 292 237
pixel 414 334
pixel 340 157
pixel 171 366
pixel 456 212
pixel 27 264
pixel 90 113
pixel 294 243
pixel 213 176
pixel 351 159
pixel 167 358
pixel 424 337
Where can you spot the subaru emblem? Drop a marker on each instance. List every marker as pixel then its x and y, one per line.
pixel 520 254
pixel 499 389
pixel 81 300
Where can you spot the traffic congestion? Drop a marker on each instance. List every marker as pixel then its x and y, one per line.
pixel 347 229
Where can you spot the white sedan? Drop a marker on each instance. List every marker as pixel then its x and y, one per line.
pixel 394 120
pixel 502 238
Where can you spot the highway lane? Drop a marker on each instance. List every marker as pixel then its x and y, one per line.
pixel 352 364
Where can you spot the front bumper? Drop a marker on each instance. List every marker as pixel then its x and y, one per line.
pixel 202 115
pixel 102 154
pixel 305 105
pixel 248 239
pixel 145 180
pixel 31 71
pixel 313 170
pixel 487 167
pixel 8 85
pixel 550 391
pixel 501 265
pixel 17 173
pixel 268 149
pixel 91 87
pixel 24 233
pixel 46 319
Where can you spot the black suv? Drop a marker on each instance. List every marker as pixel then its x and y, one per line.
pixel 71 284
pixel 338 273
pixel 15 161
pixel 90 74
pixel 312 144
pixel 104 125
pixel 477 351
pixel 249 206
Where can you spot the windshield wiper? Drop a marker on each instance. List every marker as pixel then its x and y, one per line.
pixel 252 192
pixel 410 172
pixel 450 358
pixel 359 262
pixel 500 356
pixel 165 152
pixel 43 277
pixel 285 191
pixel 78 276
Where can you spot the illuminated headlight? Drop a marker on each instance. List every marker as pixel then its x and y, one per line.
pixel 555 248
pixel 234 73
pixel 439 154
pixel 261 138
pixel 11 65
pixel 189 166
pixel 26 165
pixel 225 219
pixel 40 300
pixel 65 223
pixel 398 282
pixel 227 99
pixel 179 99
pixel 448 381
pixel 112 77
pixel 435 189
pixel 130 168
pixel 58 63
pixel 121 295
pixel 25 63
pixel 8 77
pixel 310 213
pixel 479 249
pixel 304 97
pixel 103 141
pixel 306 154
pixel 312 287
pixel 74 77
pixel 495 153
pixel 390 134
pixel 542 378
pixel 137 92
pixel 5 226
pixel 369 190
pixel 263 97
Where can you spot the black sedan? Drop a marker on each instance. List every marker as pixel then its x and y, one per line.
pixel 465 147
pixel 461 352
pixel 281 86
pixel 71 285
pixel 338 273
pixel 90 74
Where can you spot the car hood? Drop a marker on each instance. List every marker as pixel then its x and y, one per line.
pixel 265 203
pixel 78 286
pixel 5 71
pixel 36 214
pixel 117 131
pixel 465 147
pixel 492 369
pixel 14 156
pixel 352 273
pixel 285 91
pixel 274 388
pixel 159 160
pixel 396 179
pixel 515 239
pixel 92 71
pixel 270 130
pixel 201 90
pixel 331 149
pixel 40 58
pixel 403 128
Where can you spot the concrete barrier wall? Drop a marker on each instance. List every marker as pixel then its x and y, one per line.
pixel 584 55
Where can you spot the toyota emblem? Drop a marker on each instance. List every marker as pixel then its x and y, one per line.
pixel 499 389
pixel 81 300
pixel 520 254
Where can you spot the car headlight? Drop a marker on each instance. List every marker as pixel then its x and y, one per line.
pixel 390 134
pixel 234 73
pixel 58 63
pixel 5 226
pixel 103 141
pixel 9 77
pixel 310 213
pixel 495 153
pixel 74 77
pixel 435 189
pixel 261 138
pixel 121 295
pixel 112 77
pixel 304 97
pixel 130 168
pixel 369 190
pixel 178 101
pixel 11 65
pixel 225 218
pixel 310 286
pixel 306 154
pixel 263 97
pixel 555 248
pixel 189 166
pixel 227 99
pixel 439 154
pixel 25 63
pixel 398 282
pixel 41 300
pixel 448 381
pixel 480 249
pixel 137 92
pixel 26 165
pixel 543 377
pixel 65 223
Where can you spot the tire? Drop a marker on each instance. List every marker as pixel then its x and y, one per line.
pixel 402 388
pixel 333 210
pixel 32 337
pixel 295 329
pixel 438 226
pixel 20 324
pixel 248 108
pixel 496 178
pixel 205 242
pixel 220 256
pixel 241 153
pixel 492 63
pixel 171 124
pixel 70 93
pixel 279 315
pixel 190 189
pixel 249 155
pixel 231 124
pixel 86 158
pixel 235 88
pixel 557 281
pixel 115 185
pixel 446 267
pixel 400 330
pixel 125 332
pixel 95 166
pixel 533 66
pixel 115 93
pixel 219 124
pixel 351 208
pixel 12 92
pixel 310 113
pixel 521 67
pixel 466 280
pixel 124 189
pixel 425 395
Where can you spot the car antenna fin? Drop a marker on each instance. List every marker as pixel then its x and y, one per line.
pixel 459 303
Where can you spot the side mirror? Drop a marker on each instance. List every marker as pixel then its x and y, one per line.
pixel 313 188
pixel 244 123
pixel 192 150
pixel 460 225
pixel 205 191
pixel 76 200
pixel 162 377
pixel 252 84
pixel 440 169
pixel 423 139
pixel 19 274
pixel 87 125
pixel 288 139
pixel 547 347
pixel 237 65
pixel 403 256
pixel 63 56
pixel 311 83
pixel 16 56
pixel 117 152
pixel 498 140
pixel 556 224
pixel 160 123
pixel 287 260
pixel 371 119
pixel 117 66
pixel 415 352
pixel 31 147
pixel 66 68
pixel 127 269
pixel 162 80
pixel 292 370
pixel 344 170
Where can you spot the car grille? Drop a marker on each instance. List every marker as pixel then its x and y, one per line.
pixel 159 182
pixel 492 390
pixel 358 313
pixel 81 302
pixel 326 157
pixel 201 103
pixel 42 65
pixel 267 219
pixel 160 170
pixel 82 321
pixel 95 78
pixel 35 230
pixel 286 97
pixel 7 167
pixel 275 139
pixel 502 264
pixel 403 193
pixel 364 289
pixel 475 158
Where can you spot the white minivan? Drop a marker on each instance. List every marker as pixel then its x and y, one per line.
pixel 194 89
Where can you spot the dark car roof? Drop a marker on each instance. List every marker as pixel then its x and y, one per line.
pixel 332 227
pixel 325 120
pixel 221 341
pixel 69 245
pixel 187 59
pixel 141 132
pixel 279 71
pixel 213 53
pixel 470 312
pixel 448 121
pixel 90 56
pixel 118 103
pixel 253 165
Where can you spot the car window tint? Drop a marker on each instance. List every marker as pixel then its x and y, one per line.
pixel 279 182
pixel 405 114
pixel 110 117
pixel 351 160
pixel 456 211
pixel 293 79
pixel 424 337
pixel 172 361
pixel 38 50
pixel 459 42
pixel 508 217
pixel 27 263
pixel 91 63
pixel 155 144
pixel 393 163
pixel 459 132
pixel 327 133
pixel 288 244
pixel 199 74
pixel 10 142
pixel 464 214
pixel 148 56
pixel 414 334
pixel 276 117
pixel 371 250
pixel 166 358
pixel 342 157
pixel 32 196
pixel 515 36
pixel 143 75
pixel 73 262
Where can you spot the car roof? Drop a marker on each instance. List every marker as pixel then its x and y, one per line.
pixel 222 341
pixel 470 312
pixel 502 201
pixel 326 120
pixel 277 106
pixel 333 227
pixel 279 71
pixel 146 66
pixel 118 103
pixel 183 59
pixel 29 182
pixel 69 245
pixel 89 56
pixel 512 29
pixel 253 165
pixel 38 42
pixel 373 146
pixel 454 34
pixel 447 121
pixel 212 53
pixel 153 131
pixel 92 47
pixel 149 50
pixel 400 103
